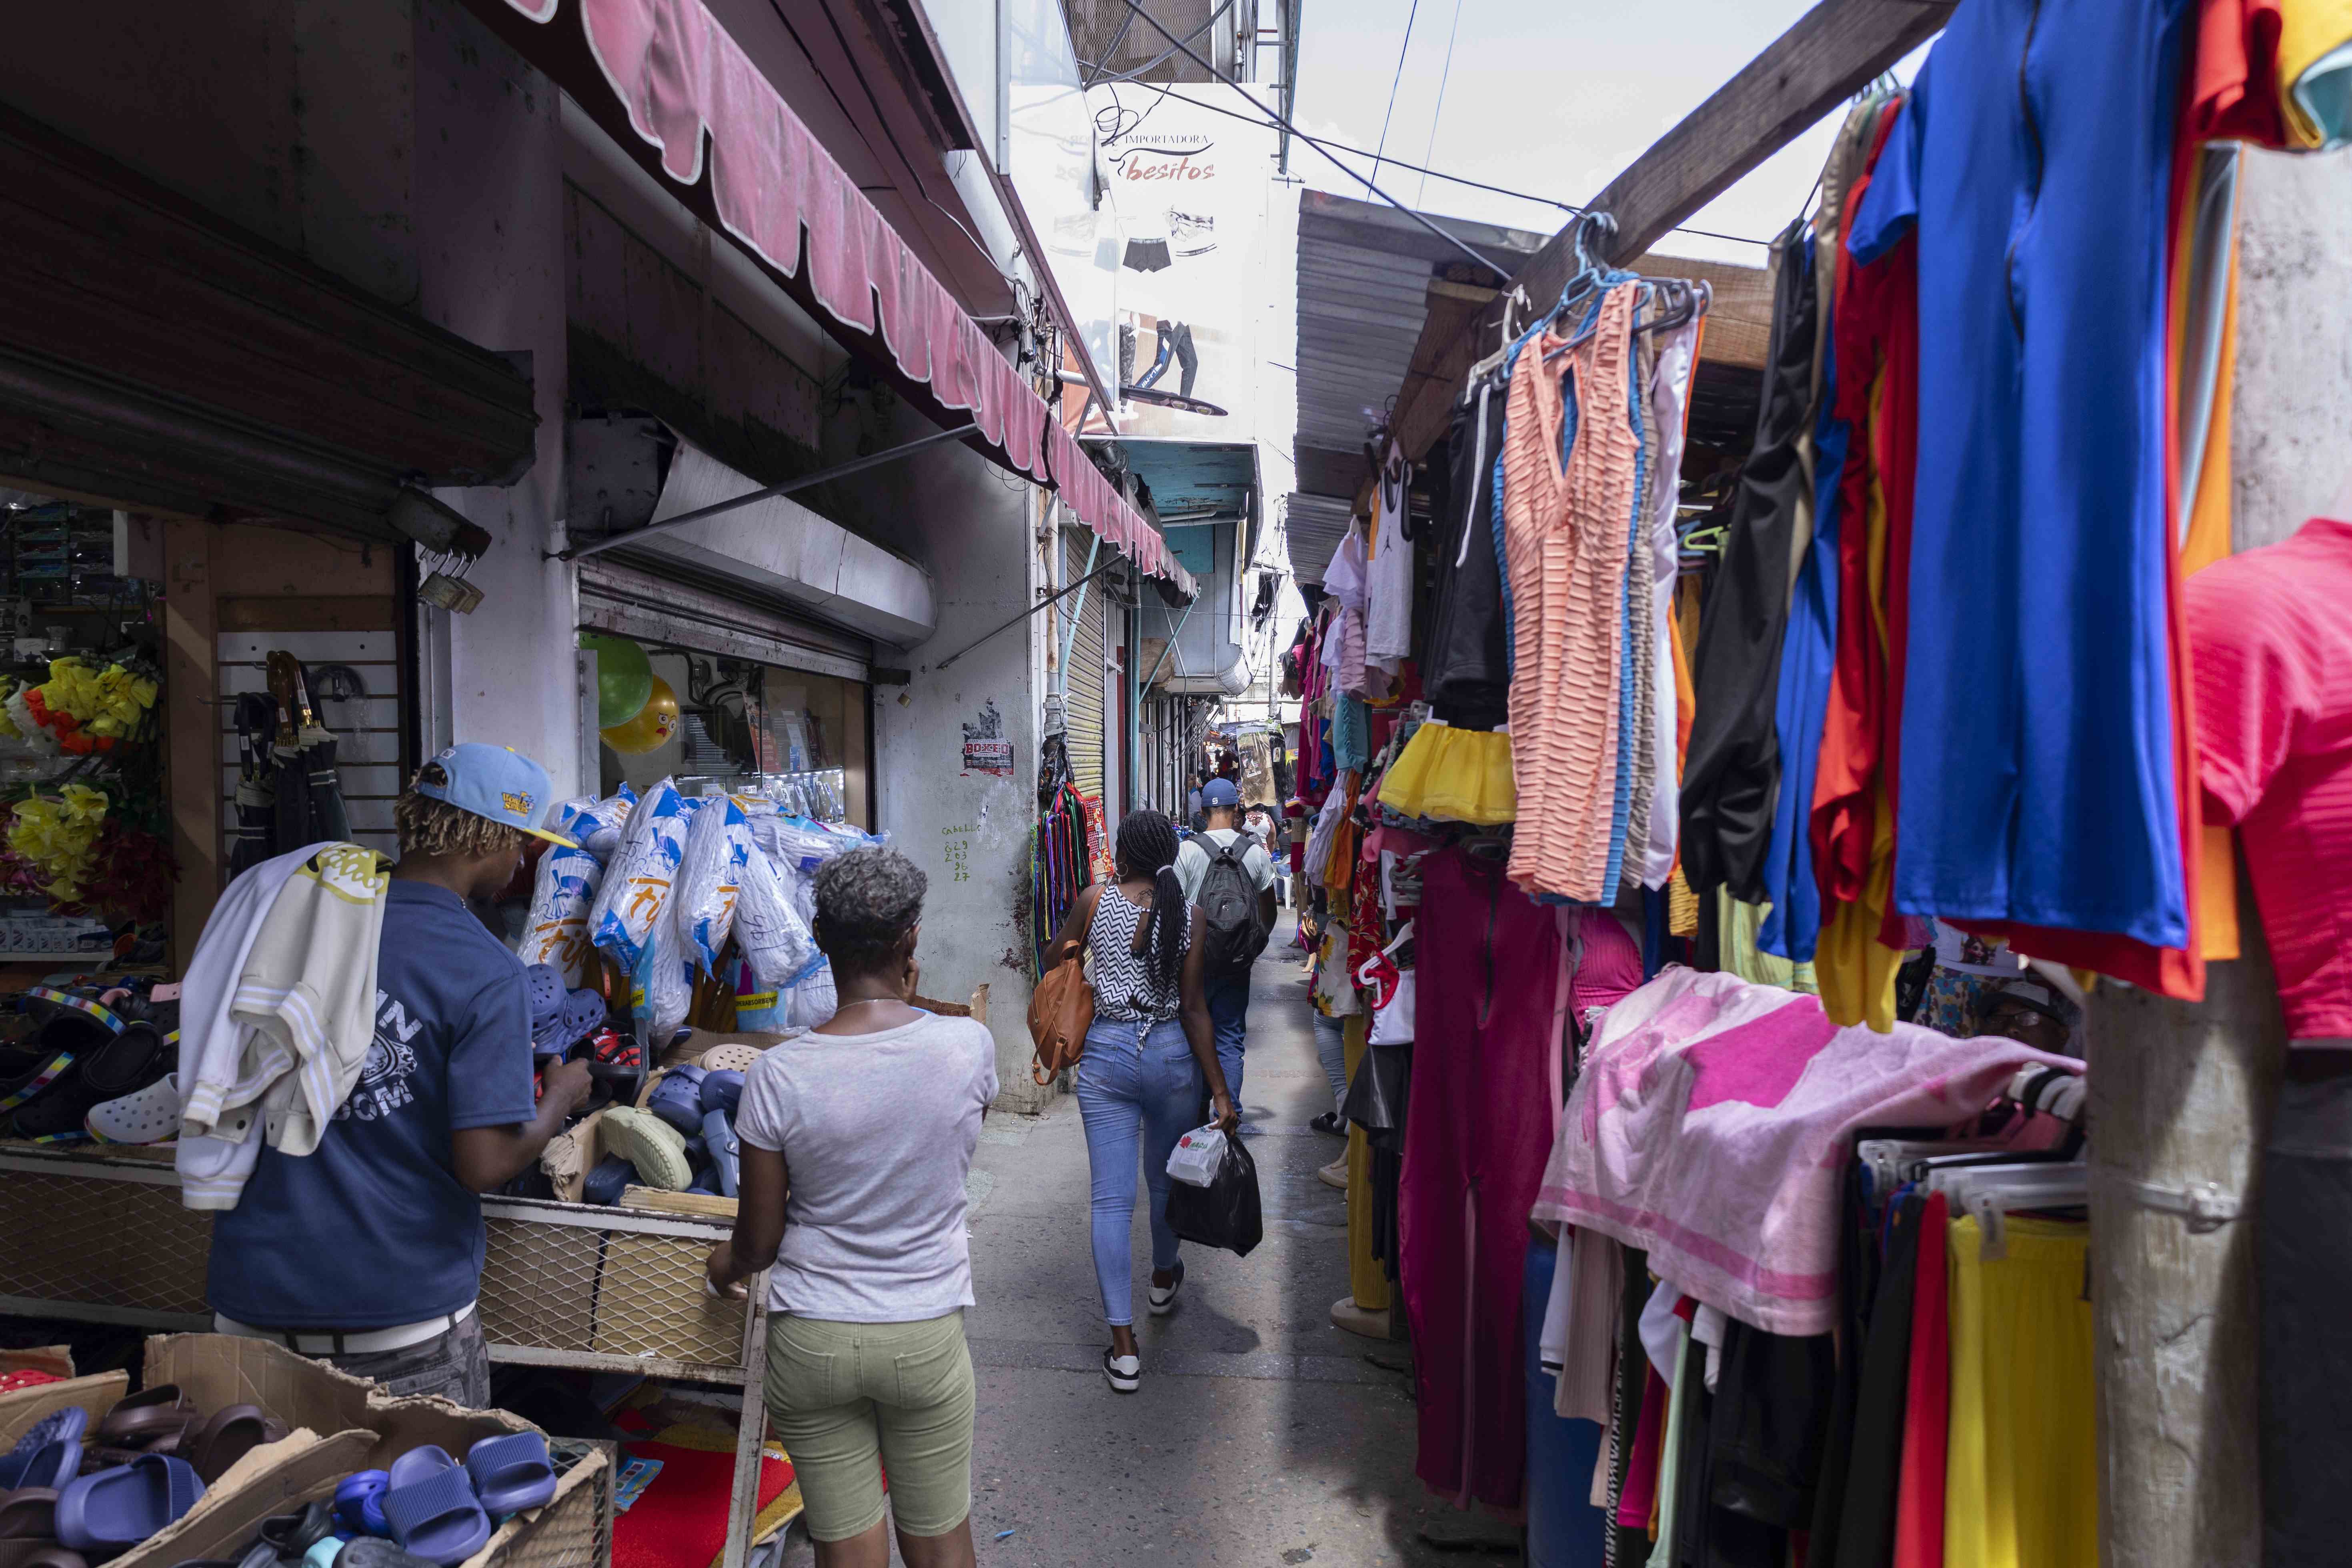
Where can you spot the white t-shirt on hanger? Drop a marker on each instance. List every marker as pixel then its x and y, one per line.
pixel 1387 613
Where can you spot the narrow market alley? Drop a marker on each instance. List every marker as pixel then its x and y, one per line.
pixel 1261 1434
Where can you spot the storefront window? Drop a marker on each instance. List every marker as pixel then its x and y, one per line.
pixel 740 727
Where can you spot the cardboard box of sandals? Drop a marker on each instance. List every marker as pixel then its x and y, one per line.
pixel 239 1452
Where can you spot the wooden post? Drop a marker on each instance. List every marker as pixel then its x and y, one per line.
pixel 192 730
pixel 2182 1094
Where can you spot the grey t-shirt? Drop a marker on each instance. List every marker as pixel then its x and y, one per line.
pixel 877 1133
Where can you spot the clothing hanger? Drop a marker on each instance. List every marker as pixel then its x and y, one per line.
pixel 1516 299
pixel 1989 1193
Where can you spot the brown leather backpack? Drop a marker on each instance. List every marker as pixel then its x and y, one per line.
pixel 1061 1010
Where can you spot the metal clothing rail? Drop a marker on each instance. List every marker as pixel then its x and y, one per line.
pixel 103 1238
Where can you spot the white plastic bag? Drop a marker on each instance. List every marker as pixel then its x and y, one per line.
pixel 772 935
pixel 661 991
pixel 597 824
pixel 718 848
pixel 1197 1156
pixel 813 1000
pixel 638 881
pixel 561 899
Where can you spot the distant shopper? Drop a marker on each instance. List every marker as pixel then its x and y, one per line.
pixel 1147 1058
pixel 867 1122
pixel 1228 876
pixel 1261 823
pixel 366 1252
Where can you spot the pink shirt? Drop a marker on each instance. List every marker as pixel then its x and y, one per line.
pixel 2271 631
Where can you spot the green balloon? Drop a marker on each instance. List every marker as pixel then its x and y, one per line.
pixel 625 677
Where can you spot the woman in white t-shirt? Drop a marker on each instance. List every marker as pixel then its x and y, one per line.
pixel 867 1122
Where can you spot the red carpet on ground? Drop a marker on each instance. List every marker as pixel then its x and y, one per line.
pixel 680 1521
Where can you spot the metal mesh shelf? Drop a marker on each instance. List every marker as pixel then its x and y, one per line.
pixel 104 1238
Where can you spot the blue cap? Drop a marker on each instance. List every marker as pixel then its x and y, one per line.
pixel 1218 793
pixel 491 781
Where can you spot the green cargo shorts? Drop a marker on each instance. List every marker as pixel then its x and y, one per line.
pixel 846 1399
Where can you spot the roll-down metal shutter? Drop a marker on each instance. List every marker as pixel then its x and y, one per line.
pixel 625 600
pixel 1084 692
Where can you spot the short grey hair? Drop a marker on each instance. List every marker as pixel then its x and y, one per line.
pixel 866 900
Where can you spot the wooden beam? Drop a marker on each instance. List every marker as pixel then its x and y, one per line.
pixel 1832 52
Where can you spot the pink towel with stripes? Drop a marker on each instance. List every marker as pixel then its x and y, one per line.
pixel 1712 1125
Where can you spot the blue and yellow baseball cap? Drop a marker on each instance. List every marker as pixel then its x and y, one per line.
pixel 494 782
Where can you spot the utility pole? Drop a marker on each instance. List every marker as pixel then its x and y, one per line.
pixel 2181 1095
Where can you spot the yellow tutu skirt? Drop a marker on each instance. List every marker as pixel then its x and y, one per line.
pixel 1453 776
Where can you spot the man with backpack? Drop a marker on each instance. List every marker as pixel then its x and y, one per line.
pixel 1228 876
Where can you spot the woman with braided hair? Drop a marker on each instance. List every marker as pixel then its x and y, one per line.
pixel 1146 1057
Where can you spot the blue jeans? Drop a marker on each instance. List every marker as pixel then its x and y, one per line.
pixel 1331 1050
pixel 1137 1085
pixel 1229 1021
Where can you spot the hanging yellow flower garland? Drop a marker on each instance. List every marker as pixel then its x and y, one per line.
pixel 59 836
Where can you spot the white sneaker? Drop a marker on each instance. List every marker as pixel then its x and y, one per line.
pixel 1335 1175
pixel 1163 1302
pixel 1125 1372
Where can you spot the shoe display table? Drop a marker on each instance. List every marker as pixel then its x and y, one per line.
pixel 99 1236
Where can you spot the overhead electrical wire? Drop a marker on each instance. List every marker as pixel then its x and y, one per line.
pixel 1396 81
pixel 1329 147
pixel 1154 23
pixel 1444 77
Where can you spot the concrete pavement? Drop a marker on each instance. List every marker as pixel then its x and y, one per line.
pixel 1261 1436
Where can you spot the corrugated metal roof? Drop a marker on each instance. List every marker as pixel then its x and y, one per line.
pixel 1364 272
pixel 1316 525
pixel 1359 314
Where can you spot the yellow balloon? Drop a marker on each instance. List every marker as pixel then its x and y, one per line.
pixel 656 722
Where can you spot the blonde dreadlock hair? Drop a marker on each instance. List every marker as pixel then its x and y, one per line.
pixel 429 826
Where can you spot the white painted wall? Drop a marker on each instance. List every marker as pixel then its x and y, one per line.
pixel 969 831
pixel 490 225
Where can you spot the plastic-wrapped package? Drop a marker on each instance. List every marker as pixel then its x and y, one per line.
pixel 718 847
pixel 813 1001
pixel 773 935
pixel 661 990
pixel 637 880
pixel 556 933
pixel 757 1008
pixel 610 824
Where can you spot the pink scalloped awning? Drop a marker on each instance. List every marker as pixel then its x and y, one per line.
pixel 685 84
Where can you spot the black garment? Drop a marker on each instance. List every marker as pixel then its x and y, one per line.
pixel 1388 1094
pixel 1466 674
pixel 1147 256
pixel 1733 770
pixel 1771 1415
pixel 2306 1357
pixel 1866 1530
pixel 1386 1174
pixel 1621 1545
pixel 1854 1244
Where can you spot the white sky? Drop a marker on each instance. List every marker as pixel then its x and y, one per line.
pixel 1550 97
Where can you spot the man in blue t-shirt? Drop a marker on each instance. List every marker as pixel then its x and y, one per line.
pixel 367 1253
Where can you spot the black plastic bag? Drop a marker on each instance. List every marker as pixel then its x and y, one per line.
pixel 1224 1214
